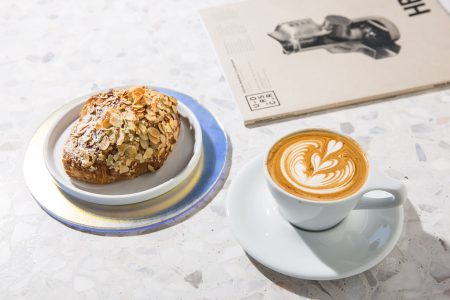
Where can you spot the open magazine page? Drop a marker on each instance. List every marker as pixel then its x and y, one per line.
pixel 288 57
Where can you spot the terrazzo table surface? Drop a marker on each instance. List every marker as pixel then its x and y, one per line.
pixel 53 51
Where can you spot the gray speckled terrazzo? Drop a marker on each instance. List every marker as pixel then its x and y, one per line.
pixel 53 51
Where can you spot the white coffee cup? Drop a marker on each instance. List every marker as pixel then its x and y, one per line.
pixel 316 215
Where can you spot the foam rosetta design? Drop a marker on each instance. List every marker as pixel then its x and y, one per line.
pixel 318 165
pixel 307 168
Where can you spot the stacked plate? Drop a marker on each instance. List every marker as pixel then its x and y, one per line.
pixel 190 174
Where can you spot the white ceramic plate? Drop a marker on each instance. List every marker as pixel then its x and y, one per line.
pixel 158 213
pixel 178 166
pixel 358 243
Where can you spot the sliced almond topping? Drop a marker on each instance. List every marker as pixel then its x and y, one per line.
pixel 121 148
pixel 148 153
pixel 85 159
pixel 129 115
pixel 150 112
pixel 173 124
pixel 105 123
pixel 154 93
pixel 104 144
pixel 121 137
pixel 144 143
pixel 113 137
pixel 142 128
pixel 140 115
pixel 136 93
pixel 132 126
pixel 131 151
pixel 88 137
pixel 154 140
pixel 161 151
pixel 147 99
pixel 161 128
pixel 151 118
pixel 123 169
pixel 115 120
pixel 82 129
pixel 143 136
pixel 142 124
pixel 109 161
pixel 153 132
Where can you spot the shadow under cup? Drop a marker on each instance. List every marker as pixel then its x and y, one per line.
pixel 323 175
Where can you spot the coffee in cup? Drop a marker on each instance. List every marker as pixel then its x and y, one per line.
pixel 318 165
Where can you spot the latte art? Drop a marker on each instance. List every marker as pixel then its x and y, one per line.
pixel 318 165
pixel 307 169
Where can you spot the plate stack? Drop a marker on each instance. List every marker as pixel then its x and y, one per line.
pixel 191 174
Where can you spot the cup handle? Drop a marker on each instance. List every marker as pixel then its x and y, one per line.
pixel 380 182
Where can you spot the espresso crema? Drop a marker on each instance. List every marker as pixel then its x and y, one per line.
pixel 318 165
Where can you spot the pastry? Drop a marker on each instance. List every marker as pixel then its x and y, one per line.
pixel 121 134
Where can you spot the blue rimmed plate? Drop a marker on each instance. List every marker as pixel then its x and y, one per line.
pixel 149 215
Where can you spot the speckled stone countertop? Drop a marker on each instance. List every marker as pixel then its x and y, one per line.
pixel 53 51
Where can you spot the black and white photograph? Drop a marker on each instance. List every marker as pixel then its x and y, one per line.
pixel 375 37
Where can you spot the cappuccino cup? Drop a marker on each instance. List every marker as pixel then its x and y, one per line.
pixel 317 177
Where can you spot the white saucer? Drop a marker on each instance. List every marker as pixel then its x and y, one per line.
pixel 179 165
pixel 355 245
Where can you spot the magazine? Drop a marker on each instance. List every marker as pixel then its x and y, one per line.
pixel 289 57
